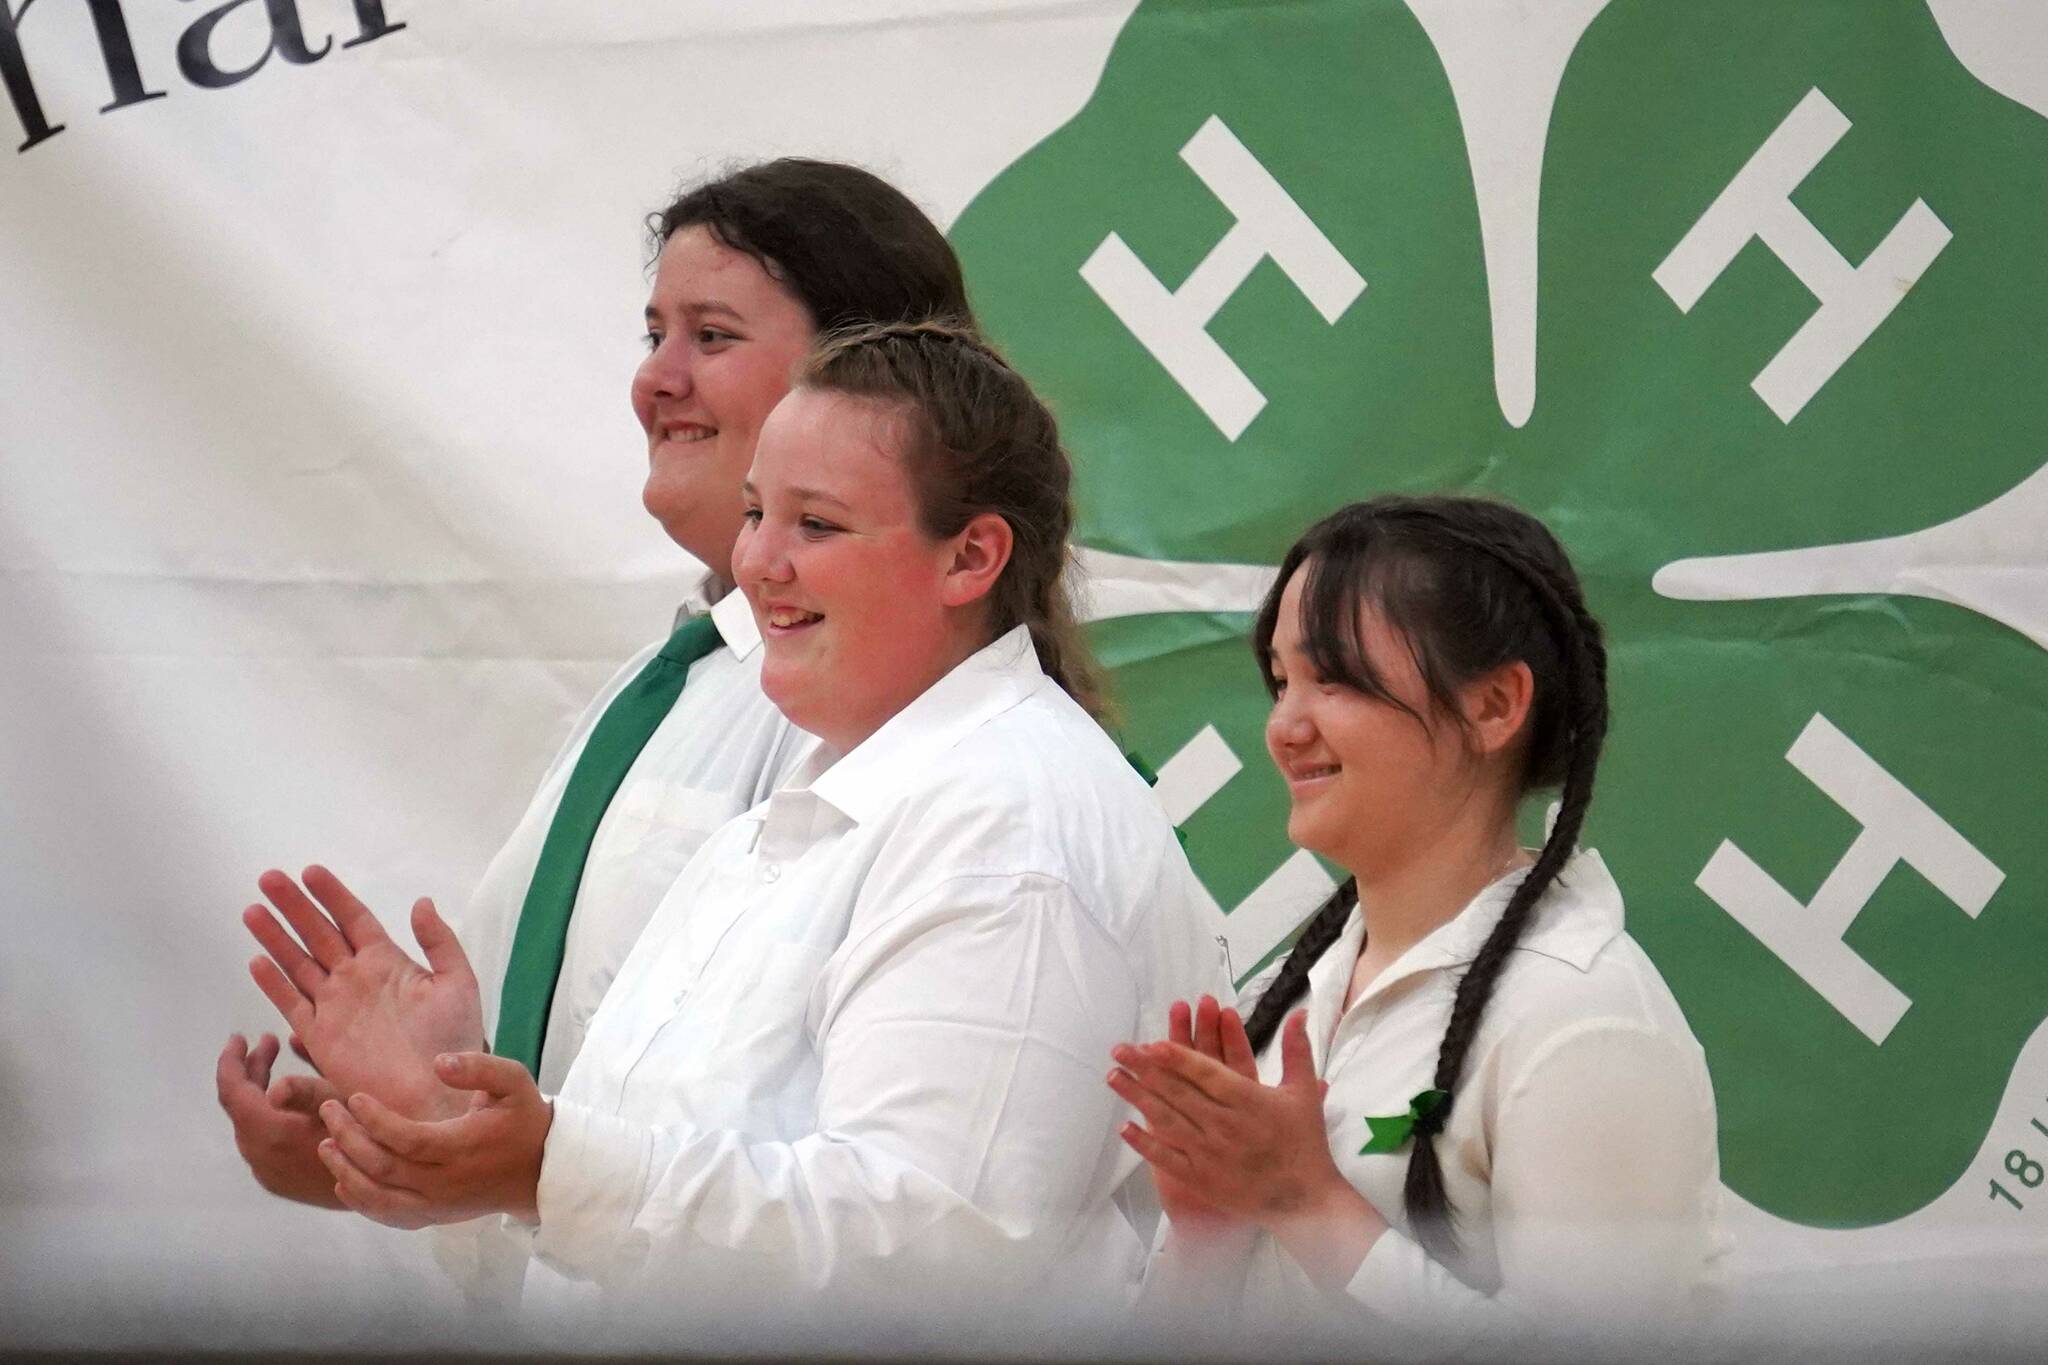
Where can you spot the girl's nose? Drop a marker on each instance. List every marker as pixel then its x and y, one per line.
pixel 1288 725
pixel 758 555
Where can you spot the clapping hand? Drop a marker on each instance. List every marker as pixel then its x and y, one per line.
pixel 369 1017
pixel 277 1123
pixel 1246 1150
pixel 1217 1034
pixel 408 1174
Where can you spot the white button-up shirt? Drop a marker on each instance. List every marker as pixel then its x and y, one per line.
pixel 720 750
pixel 1580 1159
pixel 860 1048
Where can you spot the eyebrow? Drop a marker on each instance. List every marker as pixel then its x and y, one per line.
pixel 800 494
pixel 699 306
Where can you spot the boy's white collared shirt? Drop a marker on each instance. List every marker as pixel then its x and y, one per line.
pixel 860 1047
pixel 720 750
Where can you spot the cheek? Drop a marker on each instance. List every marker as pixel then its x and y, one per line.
pixel 749 394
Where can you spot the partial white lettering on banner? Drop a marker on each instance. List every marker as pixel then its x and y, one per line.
pixel 1173 324
pixel 1854 300
pixel 1897 827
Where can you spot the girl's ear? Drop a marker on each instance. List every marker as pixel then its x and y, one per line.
pixel 1495 706
pixel 980 552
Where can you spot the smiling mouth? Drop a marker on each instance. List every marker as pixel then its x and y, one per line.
pixel 687 435
pixel 790 618
pixel 1304 776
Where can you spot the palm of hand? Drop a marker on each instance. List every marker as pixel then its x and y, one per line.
pixel 381 1019
pixel 370 1018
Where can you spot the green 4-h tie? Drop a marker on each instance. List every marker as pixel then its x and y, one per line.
pixel 615 741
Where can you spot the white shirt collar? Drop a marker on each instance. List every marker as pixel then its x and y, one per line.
pixel 981 687
pixel 734 617
pixel 1573 930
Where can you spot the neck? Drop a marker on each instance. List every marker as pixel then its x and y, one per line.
pixel 960 646
pixel 1406 900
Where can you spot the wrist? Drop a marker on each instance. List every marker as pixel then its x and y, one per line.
pixel 1329 1233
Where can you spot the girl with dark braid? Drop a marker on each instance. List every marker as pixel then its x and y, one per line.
pixel 1465 1095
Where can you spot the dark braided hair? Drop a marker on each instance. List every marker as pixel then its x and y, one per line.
pixel 1470 584
pixel 977 439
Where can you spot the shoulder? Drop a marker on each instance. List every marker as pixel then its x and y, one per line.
pixel 1586 985
pixel 1041 791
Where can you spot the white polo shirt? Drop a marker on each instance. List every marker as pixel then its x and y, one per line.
pixel 859 1051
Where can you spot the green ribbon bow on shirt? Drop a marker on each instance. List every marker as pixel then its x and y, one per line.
pixel 1390 1133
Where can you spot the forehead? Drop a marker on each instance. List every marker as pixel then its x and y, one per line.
pixel 695 266
pixel 834 443
pixel 1379 641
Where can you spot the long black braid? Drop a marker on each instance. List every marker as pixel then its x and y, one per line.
pixel 1470 584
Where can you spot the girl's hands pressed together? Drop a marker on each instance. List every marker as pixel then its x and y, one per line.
pixel 1225 1146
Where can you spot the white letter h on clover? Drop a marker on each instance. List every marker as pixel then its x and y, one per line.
pixel 1897 827
pixel 1854 300
pixel 1173 325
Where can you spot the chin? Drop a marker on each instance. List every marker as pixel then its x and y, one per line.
pixel 1306 832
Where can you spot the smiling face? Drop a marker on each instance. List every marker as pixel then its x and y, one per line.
pixel 860 611
pixel 723 339
pixel 1370 785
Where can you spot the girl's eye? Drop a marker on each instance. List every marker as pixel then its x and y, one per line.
pixel 712 336
pixel 752 516
pixel 812 526
pixel 653 340
pixel 1278 685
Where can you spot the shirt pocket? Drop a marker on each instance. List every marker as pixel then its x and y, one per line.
pixel 676 806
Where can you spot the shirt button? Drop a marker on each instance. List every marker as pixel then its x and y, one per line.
pixel 770 872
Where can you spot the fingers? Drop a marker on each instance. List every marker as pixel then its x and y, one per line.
pixel 423 1142
pixel 231 1074
pixel 500 1077
pixel 1164 1156
pixel 1297 1059
pixel 1237 1045
pixel 325 942
pixel 1158 1111
pixel 296 1009
pixel 1164 1064
pixel 300 1094
pixel 302 971
pixel 444 952
pixel 352 915
pixel 365 1153
pixel 1206 1041
pixel 377 1202
pixel 261 1058
pixel 1150 1074
pixel 299 1047
pixel 1180 1026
